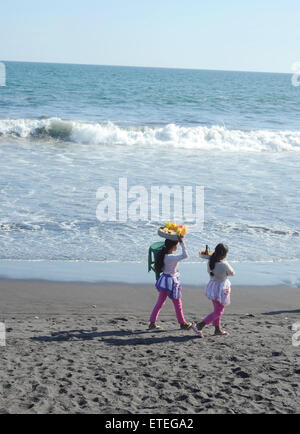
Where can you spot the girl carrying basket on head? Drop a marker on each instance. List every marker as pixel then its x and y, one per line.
pixel 168 284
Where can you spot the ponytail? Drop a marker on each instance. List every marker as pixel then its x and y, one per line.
pixel 212 262
pixel 159 260
pixel 220 253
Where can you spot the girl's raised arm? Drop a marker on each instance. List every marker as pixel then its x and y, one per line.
pixel 229 270
pixel 184 254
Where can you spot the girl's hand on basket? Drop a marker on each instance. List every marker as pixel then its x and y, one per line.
pixel 181 238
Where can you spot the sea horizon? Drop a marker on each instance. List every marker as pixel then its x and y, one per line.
pixel 145 67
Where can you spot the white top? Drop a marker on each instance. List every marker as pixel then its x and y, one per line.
pixel 171 261
pixel 221 271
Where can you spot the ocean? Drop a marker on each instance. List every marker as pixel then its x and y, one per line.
pixel 68 130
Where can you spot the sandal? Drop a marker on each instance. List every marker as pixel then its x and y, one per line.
pixel 153 326
pixel 221 333
pixel 186 325
pixel 200 325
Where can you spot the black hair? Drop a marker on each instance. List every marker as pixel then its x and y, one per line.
pixel 220 253
pixel 159 261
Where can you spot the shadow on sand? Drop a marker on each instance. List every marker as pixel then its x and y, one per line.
pixel 115 337
pixel 278 312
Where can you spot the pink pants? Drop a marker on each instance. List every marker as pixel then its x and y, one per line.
pixel 160 303
pixel 215 316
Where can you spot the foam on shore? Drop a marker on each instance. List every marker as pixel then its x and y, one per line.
pixel 203 138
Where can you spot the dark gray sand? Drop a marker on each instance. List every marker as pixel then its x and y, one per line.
pixel 82 348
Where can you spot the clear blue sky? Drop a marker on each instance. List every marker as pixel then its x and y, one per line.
pixel 251 35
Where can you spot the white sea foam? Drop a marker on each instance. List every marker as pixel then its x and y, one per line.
pixel 215 138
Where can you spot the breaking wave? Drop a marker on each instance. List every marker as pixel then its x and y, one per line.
pixel 215 138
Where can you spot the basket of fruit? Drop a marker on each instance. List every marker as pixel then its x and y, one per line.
pixel 171 231
pixel 206 254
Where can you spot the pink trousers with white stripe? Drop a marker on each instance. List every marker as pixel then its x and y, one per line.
pixel 215 316
pixel 160 303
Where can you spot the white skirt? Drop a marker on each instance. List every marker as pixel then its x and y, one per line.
pixel 219 291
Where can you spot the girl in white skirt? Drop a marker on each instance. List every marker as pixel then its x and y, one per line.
pixel 218 288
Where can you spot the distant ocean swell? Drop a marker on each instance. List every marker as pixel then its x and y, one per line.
pixel 215 138
pixel 88 224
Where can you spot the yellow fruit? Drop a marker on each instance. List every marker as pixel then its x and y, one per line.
pixel 184 230
pixel 167 225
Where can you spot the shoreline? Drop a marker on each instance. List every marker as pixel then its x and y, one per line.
pixel 192 273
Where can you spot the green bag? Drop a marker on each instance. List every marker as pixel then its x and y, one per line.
pixel 152 254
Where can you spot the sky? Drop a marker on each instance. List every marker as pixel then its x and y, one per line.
pixel 244 35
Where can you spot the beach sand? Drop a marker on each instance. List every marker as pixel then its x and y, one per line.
pixel 85 348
